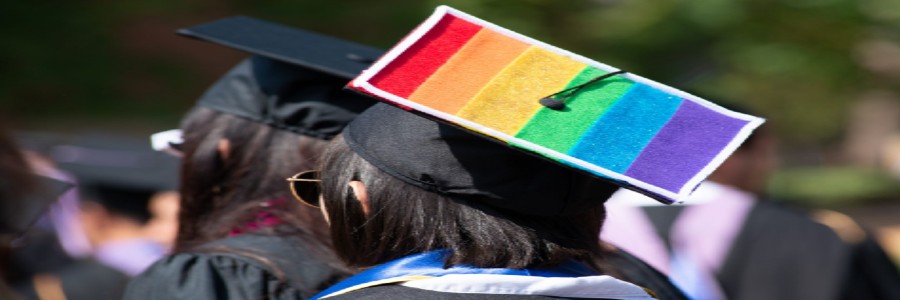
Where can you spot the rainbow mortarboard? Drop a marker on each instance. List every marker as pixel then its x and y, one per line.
pixel 641 134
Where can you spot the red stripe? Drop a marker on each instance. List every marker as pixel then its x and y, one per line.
pixel 409 70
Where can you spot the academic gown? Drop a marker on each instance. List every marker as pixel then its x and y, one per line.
pixel 103 276
pixel 813 262
pixel 769 252
pixel 245 266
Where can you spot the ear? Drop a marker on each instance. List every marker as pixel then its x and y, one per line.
pixel 224 148
pixel 361 195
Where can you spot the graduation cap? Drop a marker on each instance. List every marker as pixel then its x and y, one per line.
pixel 120 173
pixel 17 215
pixel 549 102
pixel 295 79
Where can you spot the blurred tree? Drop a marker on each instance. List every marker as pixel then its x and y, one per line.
pixel 801 63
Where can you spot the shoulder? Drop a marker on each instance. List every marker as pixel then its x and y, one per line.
pixel 242 267
pixel 502 286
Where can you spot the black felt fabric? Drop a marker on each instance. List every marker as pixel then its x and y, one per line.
pixel 247 266
pixel 286 96
pixel 17 215
pixel 294 80
pixel 460 164
pixel 322 53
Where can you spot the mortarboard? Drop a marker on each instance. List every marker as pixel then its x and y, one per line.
pixel 17 215
pixel 552 103
pixel 293 82
pixel 118 172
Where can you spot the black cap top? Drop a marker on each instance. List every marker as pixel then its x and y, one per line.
pixel 120 173
pixel 17 215
pixel 291 45
pixel 293 82
pixel 457 163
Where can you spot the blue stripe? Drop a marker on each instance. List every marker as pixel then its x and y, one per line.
pixel 432 264
pixel 616 139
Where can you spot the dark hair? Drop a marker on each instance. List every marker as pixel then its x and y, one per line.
pixel 404 219
pixel 220 195
pixel 128 202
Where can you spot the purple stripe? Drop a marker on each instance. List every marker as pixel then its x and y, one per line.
pixel 684 146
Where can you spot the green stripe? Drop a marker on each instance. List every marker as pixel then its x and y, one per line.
pixel 560 130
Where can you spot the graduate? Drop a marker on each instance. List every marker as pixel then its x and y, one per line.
pixel 470 182
pixel 24 195
pixel 240 236
pixel 116 179
pixel 730 242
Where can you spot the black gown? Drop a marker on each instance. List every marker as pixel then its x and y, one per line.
pixel 781 253
pixel 811 260
pixel 247 266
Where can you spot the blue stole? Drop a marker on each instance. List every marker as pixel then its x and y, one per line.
pixel 432 264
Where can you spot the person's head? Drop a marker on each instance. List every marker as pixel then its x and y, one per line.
pixel 163 224
pixel 110 212
pixel 268 117
pixel 232 169
pixel 415 185
pixel 749 167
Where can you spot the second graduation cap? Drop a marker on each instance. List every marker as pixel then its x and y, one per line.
pixel 636 132
pixel 294 80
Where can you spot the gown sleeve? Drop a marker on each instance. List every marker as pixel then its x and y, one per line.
pixel 210 276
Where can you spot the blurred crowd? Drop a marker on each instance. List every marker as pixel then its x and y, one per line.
pixel 101 209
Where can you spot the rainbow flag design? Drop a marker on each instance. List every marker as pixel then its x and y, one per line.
pixel 634 131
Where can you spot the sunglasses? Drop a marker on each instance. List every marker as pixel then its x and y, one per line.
pixel 305 187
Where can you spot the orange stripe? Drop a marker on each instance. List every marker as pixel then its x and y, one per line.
pixel 511 98
pixel 467 71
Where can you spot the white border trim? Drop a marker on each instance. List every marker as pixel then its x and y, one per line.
pixel 362 82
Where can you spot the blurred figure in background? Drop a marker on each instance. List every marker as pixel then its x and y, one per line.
pixel 23 196
pixel 117 179
pixel 728 242
pixel 163 224
pixel 241 236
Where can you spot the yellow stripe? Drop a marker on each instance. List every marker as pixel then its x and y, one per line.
pixel 467 71
pixel 377 282
pixel 511 98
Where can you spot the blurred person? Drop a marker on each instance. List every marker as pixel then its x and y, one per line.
pixel 730 242
pixel 23 197
pixel 240 236
pixel 62 216
pixel 57 237
pixel 116 182
pixel 163 224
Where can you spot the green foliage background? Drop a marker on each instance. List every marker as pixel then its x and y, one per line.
pixel 793 61
pixel 67 64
